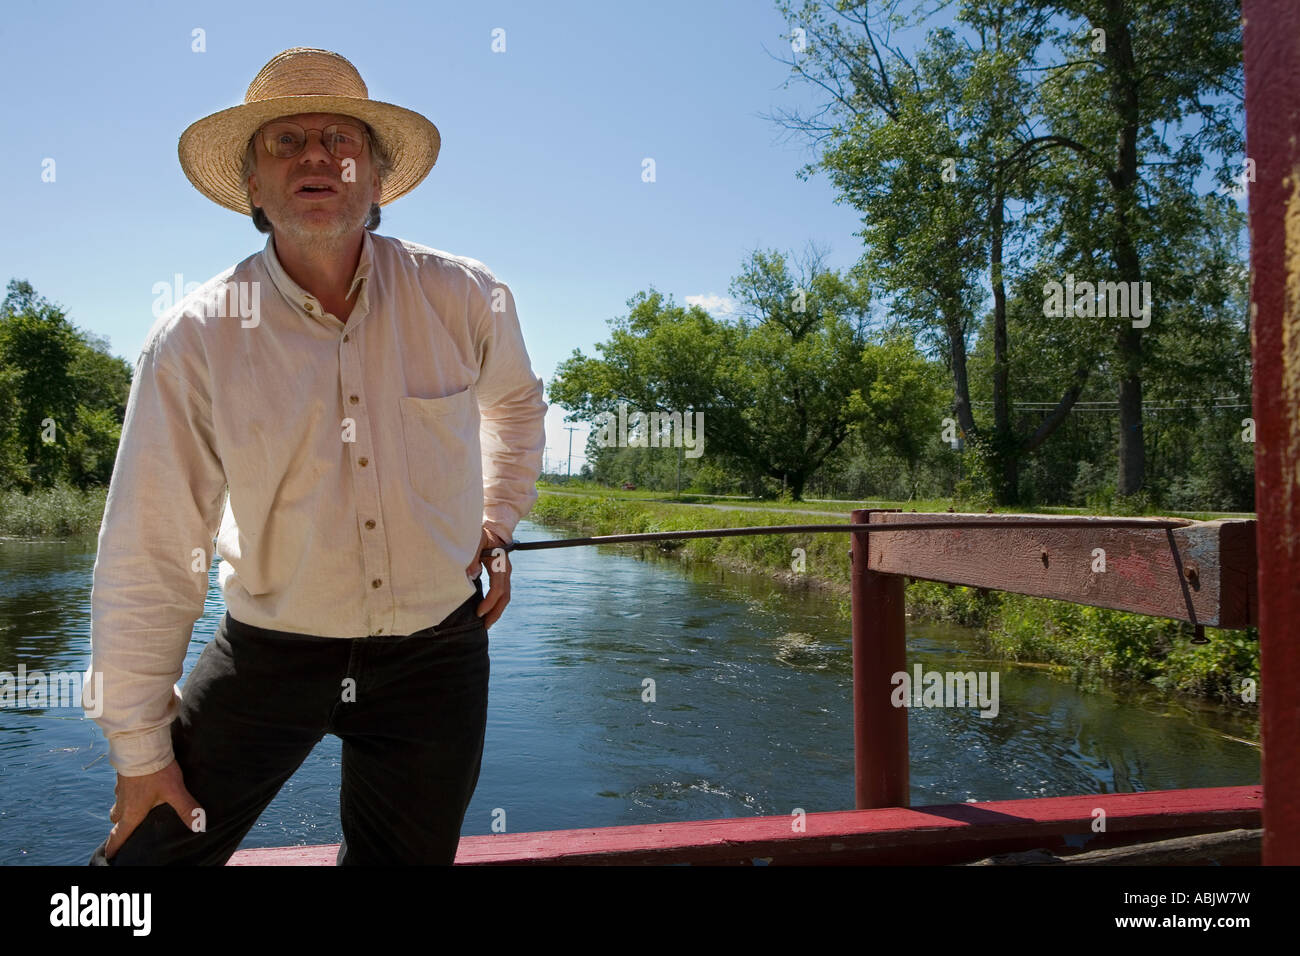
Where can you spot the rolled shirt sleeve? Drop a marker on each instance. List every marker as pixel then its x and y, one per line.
pixel 512 432
pixel 151 571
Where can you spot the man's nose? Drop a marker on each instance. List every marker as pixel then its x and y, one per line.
pixel 315 147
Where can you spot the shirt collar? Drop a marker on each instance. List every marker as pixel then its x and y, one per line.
pixel 299 296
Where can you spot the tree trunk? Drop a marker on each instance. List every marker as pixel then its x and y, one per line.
pixel 1132 448
pixel 960 383
pixel 1124 92
pixel 796 486
pixel 1004 466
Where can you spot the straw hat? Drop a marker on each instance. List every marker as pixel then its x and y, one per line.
pixel 303 80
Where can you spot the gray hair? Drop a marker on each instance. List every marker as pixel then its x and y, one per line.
pixel 379 156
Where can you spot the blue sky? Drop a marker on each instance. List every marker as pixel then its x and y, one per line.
pixel 539 175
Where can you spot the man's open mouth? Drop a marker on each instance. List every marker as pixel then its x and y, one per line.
pixel 315 190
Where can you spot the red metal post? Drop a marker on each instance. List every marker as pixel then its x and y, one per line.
pixel 879 652
pixel 1272 58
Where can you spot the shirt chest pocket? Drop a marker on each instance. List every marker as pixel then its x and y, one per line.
pixel 442 451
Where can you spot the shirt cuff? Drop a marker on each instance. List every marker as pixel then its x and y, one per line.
pixel 139 754
pixel 503 528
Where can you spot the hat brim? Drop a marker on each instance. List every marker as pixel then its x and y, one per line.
pixel 212 149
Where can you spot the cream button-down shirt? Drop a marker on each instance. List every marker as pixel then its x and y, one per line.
pixel 362 460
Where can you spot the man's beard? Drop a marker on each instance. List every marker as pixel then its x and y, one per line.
pixel 318 235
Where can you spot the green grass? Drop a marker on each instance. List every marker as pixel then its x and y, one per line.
pixel 601 515
pixel 591 489
pixel 58 512
pixel 1097 642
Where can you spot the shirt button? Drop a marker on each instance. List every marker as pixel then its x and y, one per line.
pixel 376 582
pixel 370 524
pixel 364 461
pixel 379 630
pixel 347 338
pixel 308 306
pixel 353 399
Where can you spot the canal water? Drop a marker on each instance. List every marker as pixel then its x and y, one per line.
pixel 752 710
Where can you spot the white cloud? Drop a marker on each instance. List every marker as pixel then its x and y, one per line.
pixel 713 303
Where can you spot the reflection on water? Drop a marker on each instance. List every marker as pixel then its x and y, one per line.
pixel 752 710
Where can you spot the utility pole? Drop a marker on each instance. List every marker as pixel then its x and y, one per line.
pixel 570 429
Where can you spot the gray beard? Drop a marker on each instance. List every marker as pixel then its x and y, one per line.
pixel 318 239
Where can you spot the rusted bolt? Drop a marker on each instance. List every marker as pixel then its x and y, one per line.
pixel 1043 555
pixel 1193 575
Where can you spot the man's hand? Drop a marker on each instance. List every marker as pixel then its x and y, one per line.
pixel 498 595
pixel 136 796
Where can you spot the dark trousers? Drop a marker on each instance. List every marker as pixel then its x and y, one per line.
pixel 411 711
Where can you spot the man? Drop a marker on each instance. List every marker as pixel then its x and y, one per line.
pixel 369 406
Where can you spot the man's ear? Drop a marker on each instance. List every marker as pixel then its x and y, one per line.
pixel 253 188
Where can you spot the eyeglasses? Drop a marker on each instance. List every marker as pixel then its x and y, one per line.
pixel 284 140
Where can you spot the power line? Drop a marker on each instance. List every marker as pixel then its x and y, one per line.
pixel 1111 401
pixel 1109 406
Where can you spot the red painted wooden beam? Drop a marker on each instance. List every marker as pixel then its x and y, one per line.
pixel 937 834
pixel 880 752
pixel 1272 59
pixel 1204 571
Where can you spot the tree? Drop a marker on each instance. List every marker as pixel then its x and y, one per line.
pixel 62 396
pixel 781 386
pixel 38 343
pixel 973 156
pixel 1133 100
pixel 934 152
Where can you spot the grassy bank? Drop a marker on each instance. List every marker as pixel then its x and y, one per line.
pixel 1137 505
pixel 58 512
pixel 1092 643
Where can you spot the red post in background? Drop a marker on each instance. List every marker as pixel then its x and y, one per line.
pixel 1272 60
pixel 879 652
